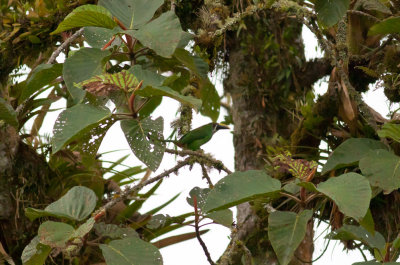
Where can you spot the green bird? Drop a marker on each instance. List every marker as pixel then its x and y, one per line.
pixel 199 136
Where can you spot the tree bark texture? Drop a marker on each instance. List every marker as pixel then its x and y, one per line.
pixel 263 86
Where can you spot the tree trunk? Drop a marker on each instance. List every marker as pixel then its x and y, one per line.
pixel 263 87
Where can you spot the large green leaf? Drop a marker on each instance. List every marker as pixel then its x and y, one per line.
pixel 131 250
pixel 153 86
pixel 41 76
pixel 98 37
pixel 390 130
pixel 382 169
pixel 132 13
pixel 240 187
pixel 387 26
pixel 195 64
pixel 7 113
pixel 223 217
pixel 146 140
pixel 161 34
pixel 211 101
pixel 74 122
pixel 329 12
pixel 82 65
pixel 286 230
pixel 86 15
pixel 353 232
pixel 55 234
pixel 351 192
pixel 35 253
pixel 350 152
pixel 77 204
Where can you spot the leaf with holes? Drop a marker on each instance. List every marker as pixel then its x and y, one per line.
pixel 353 232
pixel 223 217
pixel 390 130
pixel 211 101
pixel 81 66
pixel 382 169
pixel 350 152
pixel 240 187
pixel 123 80
pixel 329 12
pixel 55 234
pixel 77 204
pixel 98 37
pixel 113 231
pixel 131 250
pixel 162 34
pixel 41 76
pixel 286 230
pixel 351 192
pixel 35 253
pixel 75 122
pixel 132 13
pixel 387 26
pixel 86 15
pixel 7 113
pixel 146 138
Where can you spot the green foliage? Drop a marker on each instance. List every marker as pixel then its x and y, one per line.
pixel 286 230
pixel 350 152
pixel 381 168
pixel 145 138
pixel 55 234
pixel 387 26
pixel 7 113
pixel 391 131
pixel 131 250
pixel 351 192
pixel 35 253
pixel 71 124
pixel 240 187
pixel 76 204
pixel 87 15
pixel 330 12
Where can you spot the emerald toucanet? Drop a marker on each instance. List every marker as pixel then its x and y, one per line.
pixel 199 136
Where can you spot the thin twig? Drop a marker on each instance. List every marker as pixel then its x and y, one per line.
pixel 197 229
pixel 291 197
pixel 206 176
pixel 126 193
pixel 217 163
pixel 64 45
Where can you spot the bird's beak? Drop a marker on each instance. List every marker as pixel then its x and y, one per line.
pixel 221 126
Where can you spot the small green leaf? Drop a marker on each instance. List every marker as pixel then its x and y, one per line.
pixel 292 187
pixel 76 204
pixel 86 15
pixel 132 13
pixel 350 152
pixel 329 12
pixel 73 122
pixel 353 232
pixel 387 26
pixel 240 187
pixel 81 66
pixel 55 234
pixel 84 228
pixel 351 192
pixel 381 168
pixel 146 138
pixel 195 64
pixel 308 186
pixel 161 34
pixel 8 114
pixel 35 253
pixel 223 217
pixel 113 231
pixel 390 130
pixel 368 222
pixel 131 250
pixel 286 230
pixel 41 76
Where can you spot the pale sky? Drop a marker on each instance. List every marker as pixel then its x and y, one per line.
pixel 190 252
